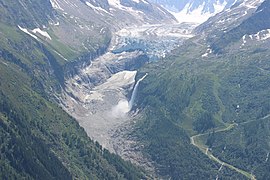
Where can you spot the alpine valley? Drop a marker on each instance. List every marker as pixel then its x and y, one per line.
pixel 135 89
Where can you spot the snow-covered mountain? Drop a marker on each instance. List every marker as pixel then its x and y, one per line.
pixel 231 17
pixel 115 12
pixel 81 26
pixel 197 11
pixel 245 23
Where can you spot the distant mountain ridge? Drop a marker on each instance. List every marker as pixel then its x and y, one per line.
pixel 130 12
pixel 242 21
pixel 195 10
pixel 208 5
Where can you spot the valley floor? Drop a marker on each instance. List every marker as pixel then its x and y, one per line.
pixel 98 96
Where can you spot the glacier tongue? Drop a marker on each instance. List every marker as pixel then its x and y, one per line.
pixel 97 97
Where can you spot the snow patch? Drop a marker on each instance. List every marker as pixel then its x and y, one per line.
pixel 4 63
pixel 266 35
pixel 267 157
pixel 252 4
pixel 27 32
pixel 244 40
pixel 61 55
pixel 55 4
pixel 139 1
pixel 117 4
pixel 95 8
pixel 259 36
pixel 43 33
pixel 208 51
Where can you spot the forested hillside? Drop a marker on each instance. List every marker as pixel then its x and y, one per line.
pixel 38 139
pixel 206 113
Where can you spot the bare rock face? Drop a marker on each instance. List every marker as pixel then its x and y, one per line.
pixel 96 96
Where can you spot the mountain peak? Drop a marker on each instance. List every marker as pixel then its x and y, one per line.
pixel 195 11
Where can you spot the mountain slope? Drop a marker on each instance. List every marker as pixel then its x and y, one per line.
pixel 217 103
pixel 25 14
pixel 200 113
pixel 128 11
pixel 38 139
pixel 257 22
pixel 78 31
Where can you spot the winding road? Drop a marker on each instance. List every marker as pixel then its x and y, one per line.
pixel 195 141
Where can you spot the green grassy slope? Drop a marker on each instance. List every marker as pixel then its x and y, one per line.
pixel 187 94
pixel 26 13
pixel 71 38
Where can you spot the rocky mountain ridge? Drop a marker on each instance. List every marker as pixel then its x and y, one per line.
pixel 197 11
